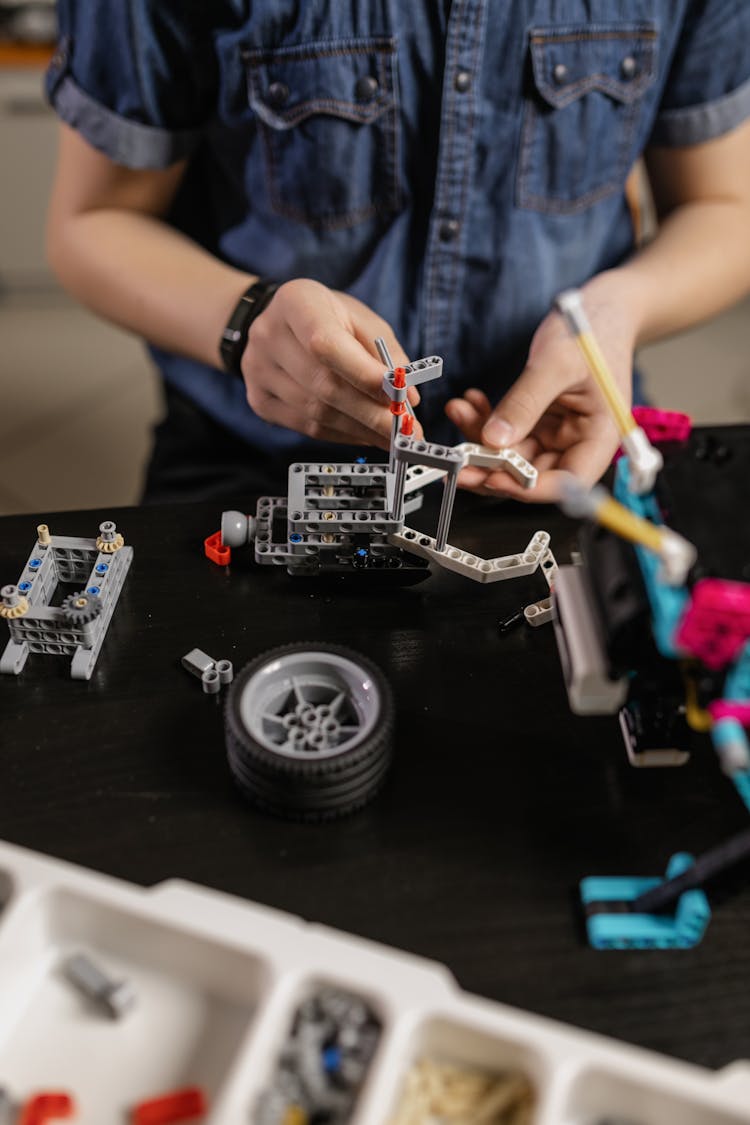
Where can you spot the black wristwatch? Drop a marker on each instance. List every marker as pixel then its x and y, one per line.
pixel 250 305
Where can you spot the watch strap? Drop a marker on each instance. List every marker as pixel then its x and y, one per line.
pixel 250 305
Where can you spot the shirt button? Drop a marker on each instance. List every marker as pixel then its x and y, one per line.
pixel 462 81
pixel 278 93
pixel 448 230
pixel 628 67
pixel 366 88
pixel 560 73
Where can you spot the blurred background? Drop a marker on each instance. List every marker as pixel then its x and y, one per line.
pixel 79 397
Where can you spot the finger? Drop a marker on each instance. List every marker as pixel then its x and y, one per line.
pixel 472 478
pixel 277 398
pixel 549 480
pixel 589 459
pixel 469 413
pixel 479 400
pixel 521 408
pixel 331 345
pixel 465 417
pixel 319 382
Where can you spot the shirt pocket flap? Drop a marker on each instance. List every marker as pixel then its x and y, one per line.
pixel 618 60
pixel 350 79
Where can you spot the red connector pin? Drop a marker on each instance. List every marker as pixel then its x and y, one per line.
pixel 43 1108
pixel 181 1105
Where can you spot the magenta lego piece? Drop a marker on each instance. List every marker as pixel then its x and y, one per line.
pixel 661 425
pixel 730 709
pixel 716 623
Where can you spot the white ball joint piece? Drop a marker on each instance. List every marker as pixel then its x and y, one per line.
pixel 236 529
pixel 213 674
pixel 646 462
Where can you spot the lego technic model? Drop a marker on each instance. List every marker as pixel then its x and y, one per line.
pixel 344 518
pixel 77 627
pixel 654 625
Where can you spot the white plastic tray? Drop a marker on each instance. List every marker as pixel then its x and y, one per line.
pixel 218 980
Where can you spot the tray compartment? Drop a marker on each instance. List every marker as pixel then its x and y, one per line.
pixel 324 1055
pixel 668 1098
pixel 195 1001
pixel 447 1041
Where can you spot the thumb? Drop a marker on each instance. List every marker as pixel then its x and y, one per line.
pixel 520 409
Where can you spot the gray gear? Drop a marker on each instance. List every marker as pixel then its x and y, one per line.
pixel 81 608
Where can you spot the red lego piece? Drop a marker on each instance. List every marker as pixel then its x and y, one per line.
pixel 215 550
pixel 407 425
pixel 399 377
pixel 180 1105
pixel 716 623
pixel 43 1108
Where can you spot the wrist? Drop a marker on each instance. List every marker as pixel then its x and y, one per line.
pixel 622 290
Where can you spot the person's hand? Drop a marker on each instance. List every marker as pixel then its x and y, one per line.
pixel 311 365
pixel 554 414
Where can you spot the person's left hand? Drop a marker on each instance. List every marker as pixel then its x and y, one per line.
pixel 554 414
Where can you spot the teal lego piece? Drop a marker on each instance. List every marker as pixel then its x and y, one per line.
pixel 737 683
pixel 729 733
pixel 668 603
pixel 741 781
pixel 726 731
pixel 682 930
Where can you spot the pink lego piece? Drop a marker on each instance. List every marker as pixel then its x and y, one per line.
pixel 730 709
pixel 716 623
pixel 661 425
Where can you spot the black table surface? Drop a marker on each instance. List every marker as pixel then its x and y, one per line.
pixel 498 802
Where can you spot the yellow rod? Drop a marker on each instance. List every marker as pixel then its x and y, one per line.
pixel 599 368
pixel 623 522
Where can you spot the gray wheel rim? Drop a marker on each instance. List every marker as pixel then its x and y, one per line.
pixel 310 705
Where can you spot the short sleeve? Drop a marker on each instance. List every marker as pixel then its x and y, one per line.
pixel 137 79
pixel 707 92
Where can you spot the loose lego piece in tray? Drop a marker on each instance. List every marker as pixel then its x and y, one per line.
pixel 185 1105
pixel 323 1063
pixel 115 997
pixel 450 1094
pixel 43 1109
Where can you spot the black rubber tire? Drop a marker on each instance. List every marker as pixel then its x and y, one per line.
pixel 301 787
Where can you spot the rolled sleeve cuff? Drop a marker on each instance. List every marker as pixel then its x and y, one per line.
pixel 695 124
pixel 125 142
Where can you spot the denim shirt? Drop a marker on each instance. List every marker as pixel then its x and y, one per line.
pixel 453 165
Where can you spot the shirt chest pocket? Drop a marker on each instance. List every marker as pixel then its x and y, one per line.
pixel 326 115
pixel 581 133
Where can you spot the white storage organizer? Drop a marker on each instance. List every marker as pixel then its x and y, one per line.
pixel 218 980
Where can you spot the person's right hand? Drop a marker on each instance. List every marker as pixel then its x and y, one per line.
pixel 311 365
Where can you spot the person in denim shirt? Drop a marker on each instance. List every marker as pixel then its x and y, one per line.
pixel 430 172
